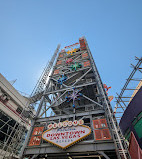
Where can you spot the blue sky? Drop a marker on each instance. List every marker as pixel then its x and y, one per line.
pixel 31 30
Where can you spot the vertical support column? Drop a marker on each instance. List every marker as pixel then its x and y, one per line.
pixel 40 105
pixel 109 113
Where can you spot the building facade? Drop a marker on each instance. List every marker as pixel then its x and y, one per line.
pixel 14 119
pixel 131 124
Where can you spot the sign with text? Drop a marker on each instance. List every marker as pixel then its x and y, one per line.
pixel 64 137
pixel 36 136
pixel 38 131
pixel 35 140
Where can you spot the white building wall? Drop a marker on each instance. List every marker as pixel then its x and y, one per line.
pixel 15 100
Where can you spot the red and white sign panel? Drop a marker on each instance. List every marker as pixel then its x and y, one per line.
pixel 38 131
pixel 35 140
pixel 66 136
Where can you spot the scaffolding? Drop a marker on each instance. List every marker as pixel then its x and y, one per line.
pixel 13 123
pixel 129 89
pixel 14 132
pixel 74 91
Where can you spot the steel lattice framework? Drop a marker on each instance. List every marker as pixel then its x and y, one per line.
pixel 41 84
pixel 75 91
pixel 128 91
pixel 15 135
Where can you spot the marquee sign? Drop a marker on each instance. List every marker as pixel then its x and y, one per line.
pixel 67 133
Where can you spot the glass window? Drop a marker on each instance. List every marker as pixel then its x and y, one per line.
pixel 138 128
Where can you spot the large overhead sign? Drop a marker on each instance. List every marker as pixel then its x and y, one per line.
pixel 67 133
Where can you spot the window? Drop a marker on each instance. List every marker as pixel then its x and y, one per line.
pixel 138 128
pixel 137 123
pixel 137 118
pixel 19 110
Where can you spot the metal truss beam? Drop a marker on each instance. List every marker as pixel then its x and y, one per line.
pixel 69 88
pixel 57 82
pixel 52 103
pixel 117 134
pixel 88 146
pixel 34 156
pixel 69 116
pixel 103 154
pixel 81 69
pixel 135 68
pixel 82 77
pixel 93 101
pixel 43 79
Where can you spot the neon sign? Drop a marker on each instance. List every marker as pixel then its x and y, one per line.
pixel 71 51
pixel 67 133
